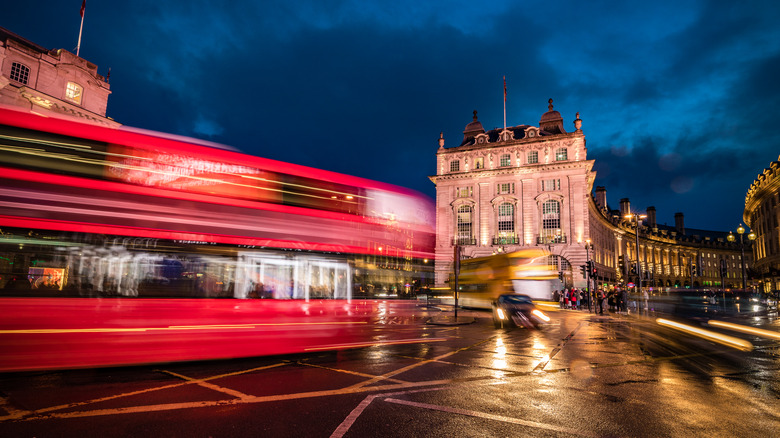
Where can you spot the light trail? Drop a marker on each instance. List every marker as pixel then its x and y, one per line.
pixel 730 341
pixel 745 329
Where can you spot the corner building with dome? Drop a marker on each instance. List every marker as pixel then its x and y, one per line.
pixel 526 186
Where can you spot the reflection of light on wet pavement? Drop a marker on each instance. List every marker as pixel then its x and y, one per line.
pixel 581 369
pixel 499 358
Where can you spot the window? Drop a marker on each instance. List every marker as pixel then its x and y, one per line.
pixel 20 73
pixel 561 154
pixel 506 220
pixel 551 219
pixel 533 157
pixel 463 192
pixel 479 163
pixel 455 166
pixel 549 185
pixel 464 224
pixel 73 92
pixel 505 160
pixel 505 188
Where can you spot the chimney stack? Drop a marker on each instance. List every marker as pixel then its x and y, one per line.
pixel 679 224
pixel 601 197
pixel 651 217
pixel 625 207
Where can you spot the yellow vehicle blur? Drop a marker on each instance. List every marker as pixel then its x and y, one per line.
pixel 526 272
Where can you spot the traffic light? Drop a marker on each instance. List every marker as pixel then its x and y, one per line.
pixel 622 264
pixel 693 270
pixel 723 270
pixel 593 270
pixel 560 275
pixel 583 270
pixel 633 269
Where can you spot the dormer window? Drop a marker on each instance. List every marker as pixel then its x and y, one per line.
pixel 73 92
pixel 20 73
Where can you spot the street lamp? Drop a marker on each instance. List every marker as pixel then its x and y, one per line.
pixel 731 238
pixel 636 217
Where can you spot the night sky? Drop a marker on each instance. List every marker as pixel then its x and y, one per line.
pixel 680 100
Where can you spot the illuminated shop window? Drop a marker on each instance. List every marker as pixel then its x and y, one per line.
pixel 20 73
pixel 73 92
pixel 533 157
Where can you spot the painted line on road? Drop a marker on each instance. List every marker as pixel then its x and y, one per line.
pixel 415 365
pixel 376 344
pixel 485 415
pixel 205 384
pixel 143 391
pixel 346 371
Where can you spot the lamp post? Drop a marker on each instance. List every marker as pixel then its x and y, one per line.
pixel 731 238
pixel 636 217
pixel 588 247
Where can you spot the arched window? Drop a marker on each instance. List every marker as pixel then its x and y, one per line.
pixel 551 222
pixel 506 224
pixel 20 73
pixel 561 154
pixel 465 228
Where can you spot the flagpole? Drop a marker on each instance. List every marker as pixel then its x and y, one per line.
pixel 78 45
pixel 505 103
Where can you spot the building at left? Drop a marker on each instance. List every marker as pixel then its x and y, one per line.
pixel 51 82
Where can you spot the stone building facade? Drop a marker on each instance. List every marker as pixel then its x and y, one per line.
pixel 51 82
pixel 507 189
pixel 762 214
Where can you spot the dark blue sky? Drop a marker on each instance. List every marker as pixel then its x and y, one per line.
pixel 680 100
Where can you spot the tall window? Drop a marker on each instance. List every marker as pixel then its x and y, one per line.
pixel 479 163
pixel 561 154
pixel 505 188
pixel 549 185
pixel 20 73
pixel 73 92
pixel 506 220
pixel 551 220
pixel 463 192
pixel 505 160
pixel 464 224
pixel 533 157
pixel 455 166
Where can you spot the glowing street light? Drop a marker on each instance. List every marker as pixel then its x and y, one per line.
pixel 731 238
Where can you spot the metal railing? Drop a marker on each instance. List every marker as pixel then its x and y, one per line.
pixel 543 240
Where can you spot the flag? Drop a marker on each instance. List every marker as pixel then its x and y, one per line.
pixel 504 84
pixel 83 6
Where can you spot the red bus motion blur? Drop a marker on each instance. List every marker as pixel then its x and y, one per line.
pixel 122 246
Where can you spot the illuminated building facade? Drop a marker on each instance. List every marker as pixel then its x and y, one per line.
pixel 51 82
pixel 507 189
pixel 762 214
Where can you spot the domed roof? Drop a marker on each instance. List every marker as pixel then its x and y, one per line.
pixel 552 121
pixel 473 129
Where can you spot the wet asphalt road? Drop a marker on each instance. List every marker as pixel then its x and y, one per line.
pixel 581 375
